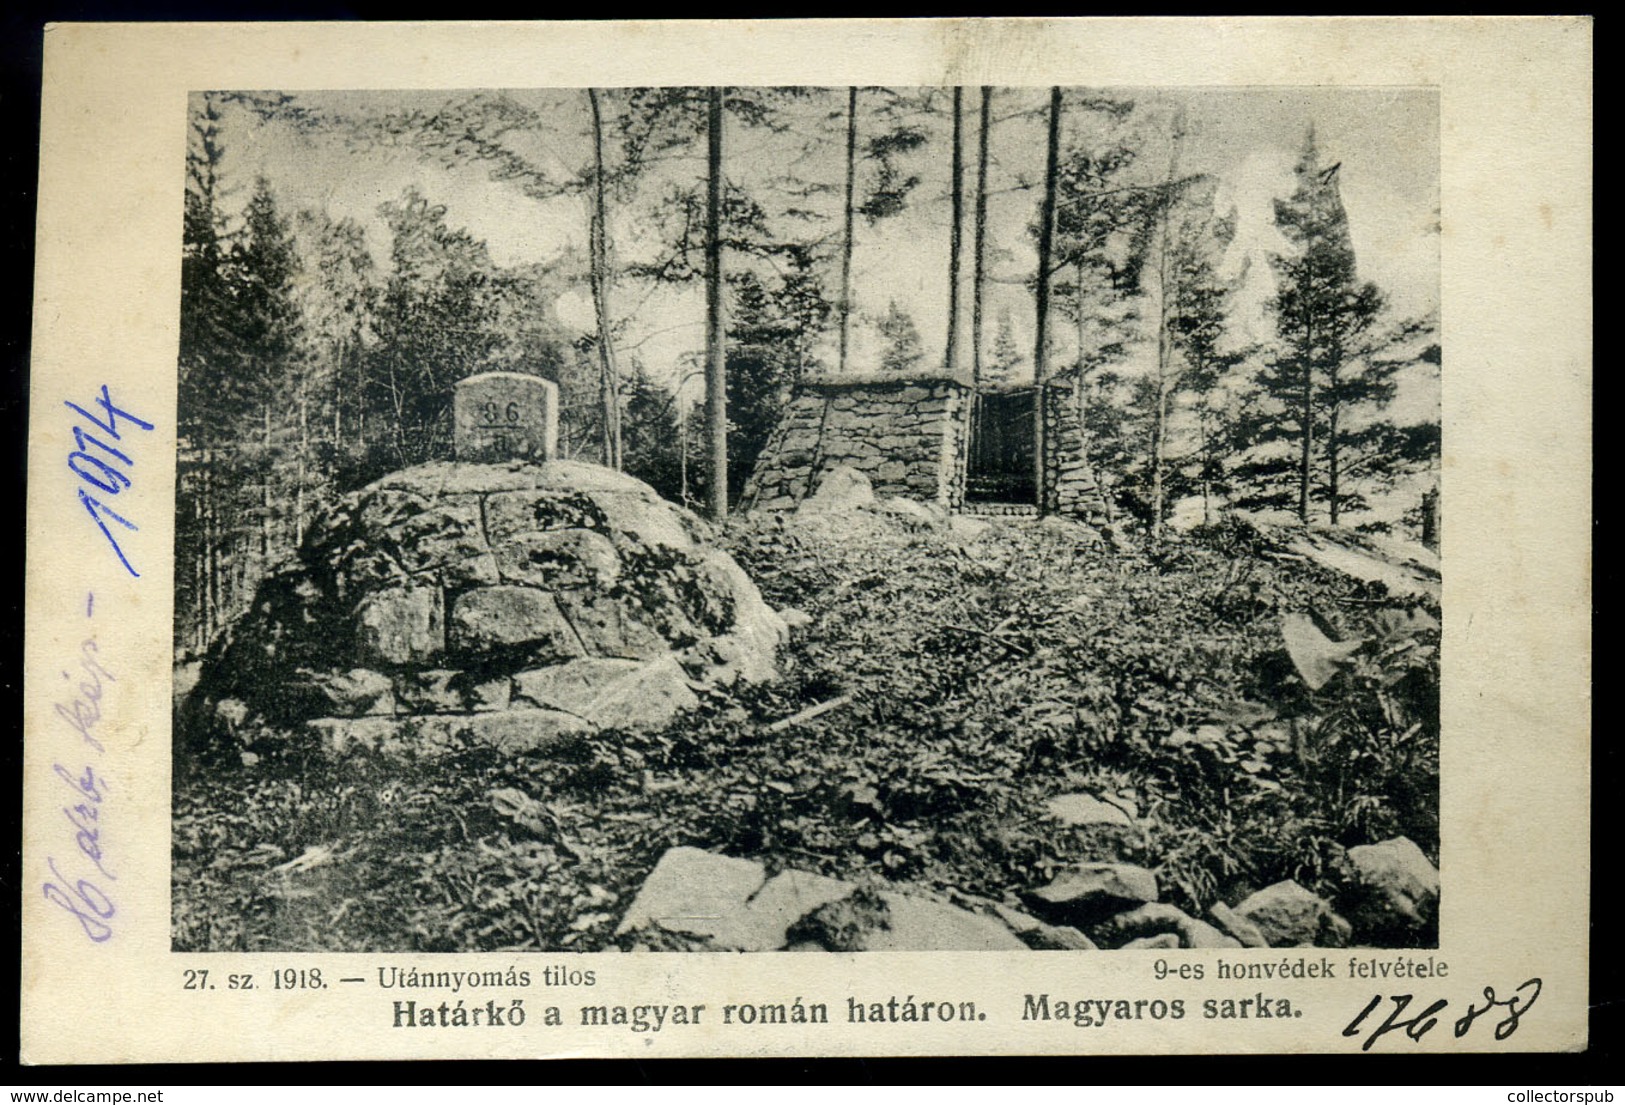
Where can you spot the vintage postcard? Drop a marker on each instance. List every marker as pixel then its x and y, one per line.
pixel 1080 527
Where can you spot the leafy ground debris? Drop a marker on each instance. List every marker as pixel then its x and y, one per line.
pixel 973 681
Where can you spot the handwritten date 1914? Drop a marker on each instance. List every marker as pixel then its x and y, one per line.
pixel 1509 1009
pixel 103 466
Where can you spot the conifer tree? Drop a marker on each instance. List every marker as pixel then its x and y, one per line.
pixel 1324 317
pixel 1006 353
pixel 902 350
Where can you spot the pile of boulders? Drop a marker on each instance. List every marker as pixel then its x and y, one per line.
pixel 1390 898
pixel 726 904
pixel 516 605
pixel 723 903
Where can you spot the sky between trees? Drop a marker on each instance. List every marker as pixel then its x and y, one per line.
pixel 1386 141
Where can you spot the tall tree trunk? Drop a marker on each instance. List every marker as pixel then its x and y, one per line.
pixel 265 490
pixel 609 384
pixel 241 553
pixel 1081 402
pixel 1046 241
pixel 210 560
pixel 978 320
pixel 1331 455
pixel 847 222
pixel 1307 414
pixel 361 400
pixel 398 407
pixel 1207 482
pixel 957 198
pixel 716 374
pixel 1159 425
pixel 979 246
pixel 1307 397
pixel 1166 298
pixel 338 395
pixel 1159 450
pixel 682 453
pixel 200 585
pixel 299 471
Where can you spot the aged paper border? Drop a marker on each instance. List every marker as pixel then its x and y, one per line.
pixel 1516 192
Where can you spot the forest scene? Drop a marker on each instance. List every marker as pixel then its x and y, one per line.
pixel 1201 712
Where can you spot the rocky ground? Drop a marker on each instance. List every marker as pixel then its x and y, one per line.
pixel 986 733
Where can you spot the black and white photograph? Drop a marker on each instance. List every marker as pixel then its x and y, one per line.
pixel 810 518
pixel 532 524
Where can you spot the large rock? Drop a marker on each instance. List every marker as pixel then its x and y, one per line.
pixel 492 618
pixel 1159 918
pixel 732 905
pixel 1161 942
pixel 1043 937
pixel 1086 810
pixel 513 731
pixel 1288 915
pixel 763 923
pixel 918 924
pixel 567 558
pixel 693 892
pixel 606 626
pixel 358 692
pixel 401 625
pixel 612 694
pixel 1394 897
pixel 842 488
pixel 1237 927
pixel 447 597
pixel 912 514
pixel 1090 892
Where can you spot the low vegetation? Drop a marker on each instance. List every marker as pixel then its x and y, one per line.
pixel 967 682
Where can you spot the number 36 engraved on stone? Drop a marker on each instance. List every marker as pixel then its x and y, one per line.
pixel 492 415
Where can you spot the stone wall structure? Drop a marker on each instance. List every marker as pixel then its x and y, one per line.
pixel 907 434
pixel 1070 486
pixel 910 436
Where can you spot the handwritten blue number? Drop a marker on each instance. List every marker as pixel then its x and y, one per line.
pixel 113 415
pixel 96 511
pixel 114 480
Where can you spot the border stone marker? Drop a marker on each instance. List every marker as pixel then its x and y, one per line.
pixel 501 416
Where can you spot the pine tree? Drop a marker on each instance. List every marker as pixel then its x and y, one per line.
pixel 267 326
pixel 1104 224
pixel 1198 331
pixel 715 223
pixel 435 324
pixel 1103 229
pixel 1193 361
pixel 902 351
pixel 476 130
pixel 652 438
pixel 1006 353
pixel 207 355
pixel 1323 316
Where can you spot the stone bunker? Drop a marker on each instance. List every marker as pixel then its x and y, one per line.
pixel 931 438
pixel 515 604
